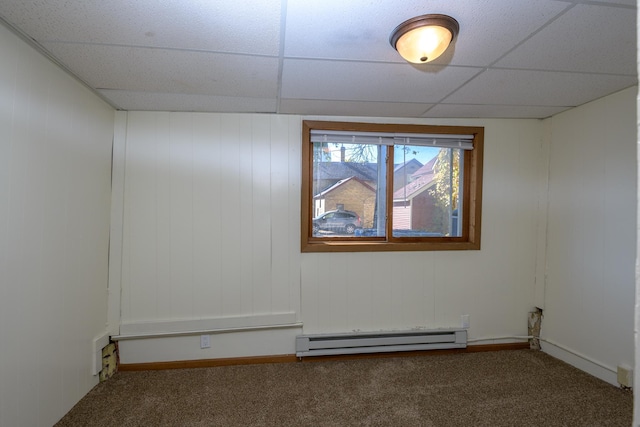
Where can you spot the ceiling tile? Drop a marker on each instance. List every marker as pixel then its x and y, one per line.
pixel 161 70
pixel 153 101
pixel 492 111
pixel 357 81
pixel 202 25
pixel 351 108
pixel 338 29
pixel 525 58
pixel 490 28
pixel 603 49
pixel 622 2
pixel 537 88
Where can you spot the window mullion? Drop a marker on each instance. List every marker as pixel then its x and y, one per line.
pixel 462 181
pixel 389 198
pixel 383 182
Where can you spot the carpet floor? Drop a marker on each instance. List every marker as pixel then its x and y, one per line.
pixel 501 388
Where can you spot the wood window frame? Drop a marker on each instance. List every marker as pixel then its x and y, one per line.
pixel 472 193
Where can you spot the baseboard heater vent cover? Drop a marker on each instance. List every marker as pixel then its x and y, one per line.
pixel 378 342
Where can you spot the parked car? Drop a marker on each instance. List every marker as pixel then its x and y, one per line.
pixel 337 221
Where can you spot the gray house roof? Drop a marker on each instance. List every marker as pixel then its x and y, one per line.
pixel 343 170
pixel 362 171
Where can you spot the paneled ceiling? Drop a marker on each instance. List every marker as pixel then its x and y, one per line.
pixel 511 59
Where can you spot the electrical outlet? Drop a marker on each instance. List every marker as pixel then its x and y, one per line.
pixel 205 341
pixel 465 320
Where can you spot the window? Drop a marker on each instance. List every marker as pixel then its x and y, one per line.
pixel 387 187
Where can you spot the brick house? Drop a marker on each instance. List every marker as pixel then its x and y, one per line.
pixel 351 194
pixel 352 186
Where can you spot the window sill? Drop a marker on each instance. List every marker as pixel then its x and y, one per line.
pixel 370 246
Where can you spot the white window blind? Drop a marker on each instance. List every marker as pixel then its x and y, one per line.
pixel 463 142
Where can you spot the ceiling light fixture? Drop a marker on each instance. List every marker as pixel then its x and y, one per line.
pixel 424 38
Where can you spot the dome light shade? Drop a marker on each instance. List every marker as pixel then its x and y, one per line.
pixel 424 38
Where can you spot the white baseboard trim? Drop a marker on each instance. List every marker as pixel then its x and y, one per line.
pixel 580 361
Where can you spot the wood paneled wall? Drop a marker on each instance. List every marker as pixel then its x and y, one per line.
pixel 211 217
pixel 211 229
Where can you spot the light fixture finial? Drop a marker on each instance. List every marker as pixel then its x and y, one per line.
pixel 424 38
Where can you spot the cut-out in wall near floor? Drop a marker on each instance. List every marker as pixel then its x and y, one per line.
pixel 535 322
pixel 109 361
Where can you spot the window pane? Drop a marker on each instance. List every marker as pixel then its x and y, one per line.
pixel 348 190
pixel 427 190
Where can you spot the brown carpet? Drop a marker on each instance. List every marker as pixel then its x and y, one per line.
pixel 502 388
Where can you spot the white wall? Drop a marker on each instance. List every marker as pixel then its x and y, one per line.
pixel 591 238
pixel 211 231
pixel 55 156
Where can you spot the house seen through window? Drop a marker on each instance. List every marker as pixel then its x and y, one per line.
pixel 390 187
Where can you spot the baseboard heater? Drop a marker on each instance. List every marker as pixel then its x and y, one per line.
pixel 378 342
